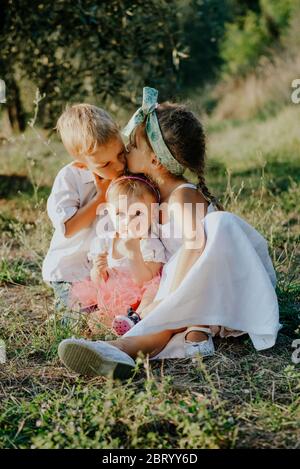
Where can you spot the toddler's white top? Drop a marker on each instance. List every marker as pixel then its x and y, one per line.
pixel 152 250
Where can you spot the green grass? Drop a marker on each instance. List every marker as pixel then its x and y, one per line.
pixel 239 398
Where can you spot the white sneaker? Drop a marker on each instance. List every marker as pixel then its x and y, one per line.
pixel 205 348
pixel 95 358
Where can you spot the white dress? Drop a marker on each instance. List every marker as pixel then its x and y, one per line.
pixel 232 284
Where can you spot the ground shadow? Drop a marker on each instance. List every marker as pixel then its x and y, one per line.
pixel 14 184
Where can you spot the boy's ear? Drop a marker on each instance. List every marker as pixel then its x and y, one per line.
pixel 80 165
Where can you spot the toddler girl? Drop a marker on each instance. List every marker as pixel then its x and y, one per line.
pixel 127 261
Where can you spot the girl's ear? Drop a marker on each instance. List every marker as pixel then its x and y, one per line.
pixel 155 161
pixel 80 165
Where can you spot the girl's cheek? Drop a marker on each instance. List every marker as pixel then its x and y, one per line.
pixel 136 161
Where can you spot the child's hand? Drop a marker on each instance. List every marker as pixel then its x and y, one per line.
pixel 130 247
pixel 132 244
pixel 101 184
pixel 100 266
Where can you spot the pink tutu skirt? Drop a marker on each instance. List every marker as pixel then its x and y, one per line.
pixel 113 296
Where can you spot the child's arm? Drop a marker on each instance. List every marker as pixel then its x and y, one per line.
pixel 142 271
pixel 84 216
pixel 95 277
pixel 99 270
pixel 192 231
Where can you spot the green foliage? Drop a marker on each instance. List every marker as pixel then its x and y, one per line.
pixel 278 13
pixel 243 44
pixel 18 271
pixel 88 50
pixel 203 24
pixel 252 35
pixel 114 417
pixel 104 52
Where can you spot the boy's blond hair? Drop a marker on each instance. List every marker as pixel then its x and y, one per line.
pixel 83 127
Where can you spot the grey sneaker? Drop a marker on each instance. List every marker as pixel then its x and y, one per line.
pixel 95 358
pixel 205 348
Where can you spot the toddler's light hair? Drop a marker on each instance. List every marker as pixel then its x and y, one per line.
pixel 83 127
pixel 130 188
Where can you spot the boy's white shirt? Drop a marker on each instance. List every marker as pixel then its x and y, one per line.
pixel 66 259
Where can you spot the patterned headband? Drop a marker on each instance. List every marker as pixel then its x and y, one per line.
pixel 147 113
pixel 137 178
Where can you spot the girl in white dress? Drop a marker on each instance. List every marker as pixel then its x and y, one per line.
pixel 219 277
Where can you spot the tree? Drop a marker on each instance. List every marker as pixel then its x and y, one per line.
pixel 253 35
pixel 8 58
pixel 203 25
pixel 86 50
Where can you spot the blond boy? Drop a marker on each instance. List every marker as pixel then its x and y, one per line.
pixel 93 141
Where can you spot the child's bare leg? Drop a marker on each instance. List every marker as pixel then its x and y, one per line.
pixel 150 344
pixel 146 306
pixel 194 336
